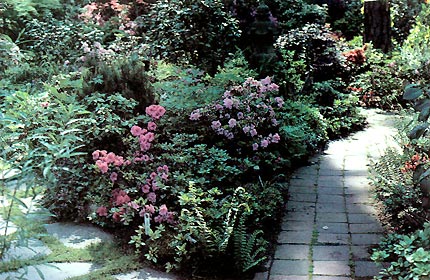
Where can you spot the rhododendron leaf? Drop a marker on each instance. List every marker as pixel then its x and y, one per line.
pixel 412 92
pixel 418 131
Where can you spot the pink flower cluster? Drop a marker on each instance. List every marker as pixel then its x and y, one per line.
pixel 155 111
pixel 122 205
pixel 104 159
pixel 145 137
pixel 266 141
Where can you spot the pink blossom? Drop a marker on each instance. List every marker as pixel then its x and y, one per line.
pixel 266 81
pixel 122 199
pixel 110 158
pixel 166 168
pixel 153 175
pixel 164 176
pixel 163 210
pixel 152 126
pixel 145 188
pixel 255 146
pixel 103 166
pixel 134 205
pixel 136 130
pixel 276 138
pixel 264 143
pixel 96 155
pixel 216 124
pixel 280 101
pixel 145 158
pixel 154 186
pixel 232 122
pixel 273 87
pixel 118 161
pixel 195 115
pixel 151 197
pixel 228 103
pixel 155 111
pixel 150 136
pixel 145 146
pixel 114 177
pixel 102 211
pixel 150 208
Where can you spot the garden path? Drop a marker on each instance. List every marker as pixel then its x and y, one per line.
pixel 330 220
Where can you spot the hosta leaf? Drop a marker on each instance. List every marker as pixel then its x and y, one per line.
pixel 421 104
pixel 424 114
pixel 418 131
pixel 412 92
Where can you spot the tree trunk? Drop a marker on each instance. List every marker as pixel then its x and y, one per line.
pixel 377 24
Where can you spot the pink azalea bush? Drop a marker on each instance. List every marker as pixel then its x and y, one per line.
pixel 128 202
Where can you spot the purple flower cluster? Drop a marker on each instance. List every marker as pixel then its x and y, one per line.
pixel 246 112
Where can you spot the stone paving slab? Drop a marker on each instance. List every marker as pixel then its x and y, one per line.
pixel 51 271
pixel 290 267
pixel 325 227
pixel 292 252
pixel 333 238
pixel 77 235
pixel 366 269
pixel 151 274
pixel 330 253
pixel 297 226
pixel 34 248
pixel 295 237
pixel 332 268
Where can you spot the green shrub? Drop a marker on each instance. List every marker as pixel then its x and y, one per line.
pixel 379 81
pixel 58 41
pixel 313 54
pixel 403 15
pixel 189 88
pixel 415 52
pixel 201 33
pixel 126 75
pixel 408 255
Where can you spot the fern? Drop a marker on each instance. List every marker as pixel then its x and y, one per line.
pixel 248 248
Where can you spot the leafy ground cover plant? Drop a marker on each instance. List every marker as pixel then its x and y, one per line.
pixel 408 255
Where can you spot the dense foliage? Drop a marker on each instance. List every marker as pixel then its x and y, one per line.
pixel 146 118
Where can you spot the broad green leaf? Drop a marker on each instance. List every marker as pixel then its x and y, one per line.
pixel 424 114
pixel 421 104
pixel 412 92
pixel 418 131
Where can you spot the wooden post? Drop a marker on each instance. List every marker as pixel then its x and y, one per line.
pixel 377 24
